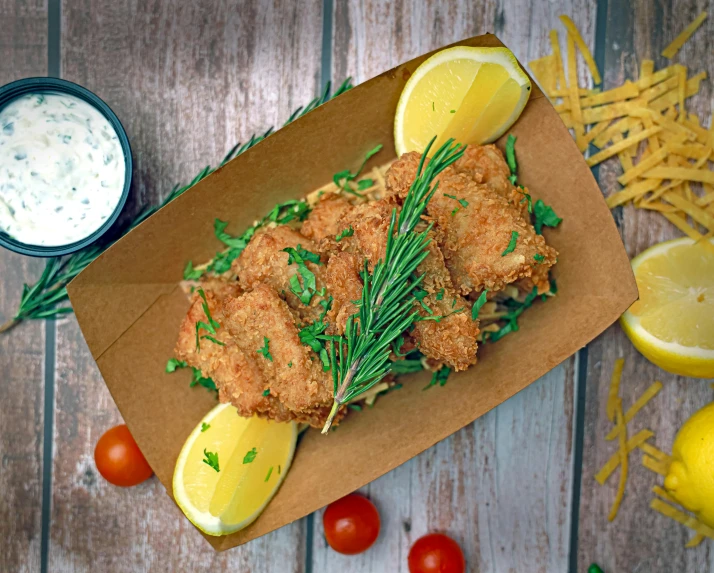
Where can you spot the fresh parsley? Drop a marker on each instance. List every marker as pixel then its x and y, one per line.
pixel 290 364
pixel 511 158
pixel 270 471
pixel 175 363
pixel 211 459
pixel 312 336
pixel 266 392
pixel 250 456
pixel 412 363
pixel 539 258
pixel 355 407
pixel 211 326
pixel 439 377
pixel 341 178
pixel 204 426
pixel 516 308
pixel 462 202
pixel 346 233
pixel 191 274
pixel 420 294
pixel 511 244
pixel 201 380
pixel 365 183
pixel 440 294
pixel 544 215
pixel 265 351
pixel 305 290
pixel 480 301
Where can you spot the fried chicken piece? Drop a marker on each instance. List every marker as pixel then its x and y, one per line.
pixel 323 220
pixel 344 284
pixel 452 339
pixel 299 389
pixel 474 237
pixel 264 262
pixel 477 236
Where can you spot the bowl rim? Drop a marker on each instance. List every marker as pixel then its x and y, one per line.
pixel 13 90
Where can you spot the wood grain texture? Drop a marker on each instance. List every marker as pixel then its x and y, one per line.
pixel 502 486
pixel 188 80
pixel 23 45
pixel 641 539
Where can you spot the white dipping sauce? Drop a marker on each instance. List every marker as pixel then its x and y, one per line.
pixel 61 169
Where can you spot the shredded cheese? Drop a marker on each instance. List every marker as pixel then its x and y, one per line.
pixel 676 45
pixel 624 464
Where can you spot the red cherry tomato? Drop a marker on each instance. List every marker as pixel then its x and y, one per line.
pixel 351 524
pixel 436 553
pixel 119 459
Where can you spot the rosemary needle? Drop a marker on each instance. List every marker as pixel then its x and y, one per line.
pixel 42 300
pixel 360 358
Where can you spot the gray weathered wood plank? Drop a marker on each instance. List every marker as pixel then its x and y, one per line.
pixel 188 80
pixel 640 539
pixel 23 45
pixel 502 486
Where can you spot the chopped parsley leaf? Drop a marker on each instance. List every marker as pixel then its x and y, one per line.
pixel 211 459
pixel 346 233
pixel 355 407
pixel 270 471
pixel 312 336
pixel 439 377
pixel 420 294
pixel 175 363
pixel 191 274
pixel 480 301
pixel 440 295
pixel 250 456
pixel 265 351
pixel 544 215
pixel 326 305
pixel 511 157
pixel 341 178
pixel 516 309
pixel 266 392
pixel 462 202
pixel 210 326
pixel 539 258
pixel 363 184
pixel 290 364
pixel 300 256
pixel 200 380
pixel 526 197
pixel 204 426
pixel 512 244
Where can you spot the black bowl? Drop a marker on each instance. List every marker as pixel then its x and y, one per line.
pixel 12 91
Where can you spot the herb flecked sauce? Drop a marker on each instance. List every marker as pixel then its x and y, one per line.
pixel 61 169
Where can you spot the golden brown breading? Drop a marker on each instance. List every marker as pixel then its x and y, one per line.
pixel 344 284
pixel 474 237
pixel 264 262
pixel 299 389
pixel 452 339
pixel 323 220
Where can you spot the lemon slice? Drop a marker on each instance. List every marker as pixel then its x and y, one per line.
pixel 672 323
pixel 253 457
pixel 470 94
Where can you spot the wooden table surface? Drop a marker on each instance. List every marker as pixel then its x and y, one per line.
pixel 189 79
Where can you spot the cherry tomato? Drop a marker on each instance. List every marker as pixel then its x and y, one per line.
pixel 436 553
pixel 119 459
pixel 351 524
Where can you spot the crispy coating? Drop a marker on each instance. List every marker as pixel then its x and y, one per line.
pixel 344 284
pixel 264 262
pixel 323 220
pixel 473 238
pixel 451 340
pixel 298 388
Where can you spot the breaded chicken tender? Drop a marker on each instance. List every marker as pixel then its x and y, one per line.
pixel 264 261
pixel 297 387
pixel 344 284
pixel 452 338
pixel 323 220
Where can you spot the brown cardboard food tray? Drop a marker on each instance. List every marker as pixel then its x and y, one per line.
pixel 129 304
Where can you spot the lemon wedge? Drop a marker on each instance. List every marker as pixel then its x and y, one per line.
pixel 672 324
pixel 252 456
pixel 470 94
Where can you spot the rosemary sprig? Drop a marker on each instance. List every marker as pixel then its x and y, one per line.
pixel 43 299
pixel 360 357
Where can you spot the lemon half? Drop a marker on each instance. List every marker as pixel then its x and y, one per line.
pixel 253 457
pixel 470 94
pixel 672 324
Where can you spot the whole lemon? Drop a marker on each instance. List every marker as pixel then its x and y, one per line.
pixel 690 479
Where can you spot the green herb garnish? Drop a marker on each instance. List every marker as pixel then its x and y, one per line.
pixel 201 380
pixel 480 301
pixel 266 392
pixel 544 215
pixel 270 471
pixel 265 351
pixel 439 377
pixel 204 426
pixel 211 326
pixel 175 363
pixel 440 294
pixel 355 407
pixel 191 274
pixel 300 257
pixel 511 158
pixel 346 233
pixel 211 459
pixel 250 456
pixel 343 177
pixel 290 364
pixel 365 183
pixel 511 244
pixel 516 308
pixel 539 258
pixel 462 202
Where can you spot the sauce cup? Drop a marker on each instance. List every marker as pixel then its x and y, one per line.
pixel 14 90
